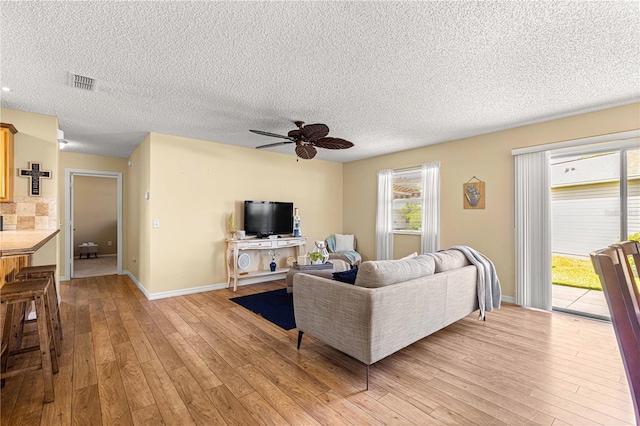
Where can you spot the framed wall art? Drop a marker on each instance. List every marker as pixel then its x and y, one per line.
pixel 473 194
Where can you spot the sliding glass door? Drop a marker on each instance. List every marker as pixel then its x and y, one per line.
pixel 595 202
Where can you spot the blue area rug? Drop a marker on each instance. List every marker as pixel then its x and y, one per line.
pixel 275 306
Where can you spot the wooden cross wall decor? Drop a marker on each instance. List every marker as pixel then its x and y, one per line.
pixel 34 174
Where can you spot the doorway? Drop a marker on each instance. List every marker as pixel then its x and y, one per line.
pixel 93 246
pixel 595 202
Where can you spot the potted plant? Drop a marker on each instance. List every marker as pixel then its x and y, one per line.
pixel 317 257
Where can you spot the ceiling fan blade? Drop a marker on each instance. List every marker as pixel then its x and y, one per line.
pixel 306 152
pixel 332 143
pixel 273 135
pixel 313 132
pixel 271 145
pixel 295 134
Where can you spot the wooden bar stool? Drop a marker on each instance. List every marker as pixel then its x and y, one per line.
pixel 15 295
pixel 48 272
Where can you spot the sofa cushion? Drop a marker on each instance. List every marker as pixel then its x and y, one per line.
pixel 449 259
pixel 348 277
pixel 380 273
pixel 344 242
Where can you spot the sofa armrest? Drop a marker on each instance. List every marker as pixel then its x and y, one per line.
pixel 339 314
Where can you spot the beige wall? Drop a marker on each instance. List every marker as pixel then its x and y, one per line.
pixel 194 184
pixel 488 157
pixel 137 215
pixel 36 141
pixel 87 163
pixel 95 213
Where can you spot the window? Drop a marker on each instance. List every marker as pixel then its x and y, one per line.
pixel 407 201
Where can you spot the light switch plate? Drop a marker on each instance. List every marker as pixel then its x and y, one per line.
pixel 156 223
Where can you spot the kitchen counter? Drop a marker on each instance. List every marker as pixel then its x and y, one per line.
pixel 20 242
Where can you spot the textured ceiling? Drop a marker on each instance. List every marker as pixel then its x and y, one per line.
pixel 387 76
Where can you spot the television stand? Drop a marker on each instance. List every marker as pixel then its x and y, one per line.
pixel 234 247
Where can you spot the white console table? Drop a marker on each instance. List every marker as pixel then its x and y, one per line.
pixel 234 247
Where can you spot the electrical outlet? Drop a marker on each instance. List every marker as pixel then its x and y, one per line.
pixel 109 243
pixel 156 223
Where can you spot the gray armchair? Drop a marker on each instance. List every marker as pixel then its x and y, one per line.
pixel 352 257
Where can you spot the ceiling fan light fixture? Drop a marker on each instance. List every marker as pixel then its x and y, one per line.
pixel 306 139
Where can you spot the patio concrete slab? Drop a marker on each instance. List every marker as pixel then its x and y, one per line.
pixel 589 309
pixel 568 293
pixel 594 297
pixel 560 303
pixel 580 300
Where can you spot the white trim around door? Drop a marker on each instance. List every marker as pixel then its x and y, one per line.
pixel 68 219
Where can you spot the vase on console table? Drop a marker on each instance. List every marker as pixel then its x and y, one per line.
pixel 272 265
pixel 296 224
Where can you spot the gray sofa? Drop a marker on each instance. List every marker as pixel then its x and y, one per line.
pixel 393 304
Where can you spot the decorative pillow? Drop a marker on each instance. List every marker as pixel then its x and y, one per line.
pixel 344 242
pixel 414 254
pixel 348 277
pixel 380 273
pixel 449 259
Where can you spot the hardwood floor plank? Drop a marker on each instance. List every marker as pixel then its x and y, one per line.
pixel 135 385
pixel 10 393
pixel 85 406
pixel 200 407
pixel 30 419
pixel 82 319
pixel 84 363
pixel 408 411
pixel 263 413
pixel 227 374
pixel 139 341
pixel 113 401
pixel 229 407
pixel 163 324
pixel 180 324
pixel 102 347
pixel 348 409
pixel 96 313
pixel 117 333
pixel 276 398
pixel 298 392
pixel 58 412
pixel 171 406
pixel 198 368
pixel 163 349
pixel 148 416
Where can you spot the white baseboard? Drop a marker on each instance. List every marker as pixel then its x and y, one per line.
pixel 192 290
pixel 509 299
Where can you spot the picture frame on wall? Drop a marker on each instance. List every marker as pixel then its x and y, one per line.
pixel 473 194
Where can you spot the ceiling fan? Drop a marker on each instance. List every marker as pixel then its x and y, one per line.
pixel 307 138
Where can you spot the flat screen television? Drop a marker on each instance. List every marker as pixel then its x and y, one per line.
pixel 264 218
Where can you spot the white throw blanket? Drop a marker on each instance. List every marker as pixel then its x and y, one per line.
pixel 489 292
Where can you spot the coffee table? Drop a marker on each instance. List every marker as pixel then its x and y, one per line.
pixel 325 273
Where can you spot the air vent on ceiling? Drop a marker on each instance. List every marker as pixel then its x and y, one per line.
pixel 81 82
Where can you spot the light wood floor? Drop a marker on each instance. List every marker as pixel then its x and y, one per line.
pixel 201 359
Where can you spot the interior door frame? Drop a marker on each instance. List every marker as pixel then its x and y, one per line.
pixel 69 174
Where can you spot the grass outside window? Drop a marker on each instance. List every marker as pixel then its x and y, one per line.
pixel 574 272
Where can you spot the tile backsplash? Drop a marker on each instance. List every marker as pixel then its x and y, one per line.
pixel 29 213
